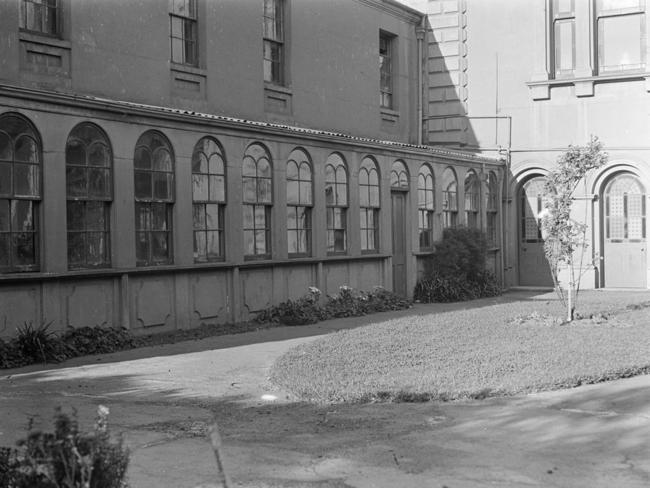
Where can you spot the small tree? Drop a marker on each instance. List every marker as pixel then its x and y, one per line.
pixel 564 237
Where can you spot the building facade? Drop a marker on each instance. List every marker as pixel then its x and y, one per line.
pixel 526 80
pixel 190 162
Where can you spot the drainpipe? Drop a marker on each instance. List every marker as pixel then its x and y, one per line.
pixel 420 32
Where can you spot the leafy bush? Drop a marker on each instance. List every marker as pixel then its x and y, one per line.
pixel 66 458
pixel 456 271
pixel 39 344
pixel 347 303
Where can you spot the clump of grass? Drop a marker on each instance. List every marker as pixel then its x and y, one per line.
pixel 500 349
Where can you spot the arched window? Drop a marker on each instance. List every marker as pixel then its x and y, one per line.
pixel 336 198
pixel 625 211
pixel 449 198
pixel 153 164
pixel 89 176
pixel 20 193
pixel 399 177
pixel 532 204
pixel 472 194
pixel 208 200
pixel 492 208
pixel 369 204
pixel 257 184
pixel 426 207
pixel 299 203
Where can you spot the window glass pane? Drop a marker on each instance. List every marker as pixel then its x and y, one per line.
pixel 363 196
pixel 212 216
pixel 159 246
pixel 142 247
pixel 292 222
pixel 96 248
pixel 249 242
pixel 250 190
pixel 199 163
pixel 5 147
pixel 162 189
pixel 619 4
pixel 142 158
pixel 363 177
pixel 5 179
pixel 96 216
pixel 292 170
pixel 76 215
pixel 264 190
pixel 248 216
pixel 564 45
pixel 76 248
pixel 260 242
pixel 200 248
pixel 99 183
pixel 341 194
pixel 26 179
pixel 99 155
pixel 4 216
pixel 329 194
pixel 292 242
pixel 293 192
pixel 216 164
pixel 264 168
pixel 159 213
pixel 213 244
pixel 620 42
pixel 23 244
pixel 217 189
pixel 162 160
pixel 374 196
pixel 143 188
pixel 200 187
pixel 26 150
pixel 305 193
pixel 75 153
pixel 249 168
pixel 198 216
pixel 260 217
pixel 142 216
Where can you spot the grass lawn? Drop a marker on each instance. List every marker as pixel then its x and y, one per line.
pixel 498 349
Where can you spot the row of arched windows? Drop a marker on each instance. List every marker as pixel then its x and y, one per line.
pixel 89 167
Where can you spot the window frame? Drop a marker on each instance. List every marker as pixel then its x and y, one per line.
pixel 211 178
pixel 426 207
pixel 369 205
pixel 13 199
pixel 386 70
pixel 301 159
pixel 274 42
pixel 150 206
pixel 190 39
pixel 259 205
pixel 492 208
pixel 600 16
pixel 472 200
pixel 336 207
pixel 56 8
pixel 449 199
pixel 87 200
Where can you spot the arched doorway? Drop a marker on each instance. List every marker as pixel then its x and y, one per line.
pixel 623 223
pixel 533 266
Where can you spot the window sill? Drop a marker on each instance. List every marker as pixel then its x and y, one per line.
pixel 389 115
pixel 188 81
pixel 584 85
pixel 278 99
pixel 46 39
pixel 186 68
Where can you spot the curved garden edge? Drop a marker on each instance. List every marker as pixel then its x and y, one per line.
pixel 500 349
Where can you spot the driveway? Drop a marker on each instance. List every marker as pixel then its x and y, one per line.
pixel 163 398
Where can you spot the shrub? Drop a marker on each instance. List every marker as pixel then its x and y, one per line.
pixel 347 303
pixel 456 271
pixel 66 458
pixel 39 343
pixel 98 340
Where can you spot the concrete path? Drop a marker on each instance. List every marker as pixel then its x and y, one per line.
pixel 163 398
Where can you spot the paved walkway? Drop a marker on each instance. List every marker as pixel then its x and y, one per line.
pixel 163 398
